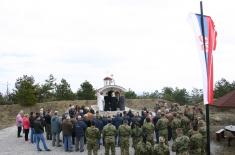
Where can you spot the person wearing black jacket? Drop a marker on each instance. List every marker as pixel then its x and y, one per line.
pixel 31 121
pixel 48 125
pixel 38 128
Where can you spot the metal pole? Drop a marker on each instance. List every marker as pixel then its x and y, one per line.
pixel 207 105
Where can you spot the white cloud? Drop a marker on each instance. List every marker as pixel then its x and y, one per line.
pixel 145 44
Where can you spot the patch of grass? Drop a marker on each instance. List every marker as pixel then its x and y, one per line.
pixel 8 112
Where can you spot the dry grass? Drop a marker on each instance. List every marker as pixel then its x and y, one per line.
pixel 9 112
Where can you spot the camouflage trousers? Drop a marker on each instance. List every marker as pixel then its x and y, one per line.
pixel 195 151
pixel 135 141
pixel 109 145
pixel 150 138
pixel 182 153
pixel 164 133
pixel 92 146
pixel 124 144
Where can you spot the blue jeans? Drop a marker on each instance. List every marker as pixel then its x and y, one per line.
pixel 32 135
pixel 67 143
pixel 39 137
pixel 79 142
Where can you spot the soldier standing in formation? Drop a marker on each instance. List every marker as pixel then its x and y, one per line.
pixel 176 123
pixel 144 147
pixel 185 123
pixel 196 142
pixel 124 134
pixel 93 135
pixel 162 126
pixel 136 134
pixel 181 143
pixel 161 148
pixel 148 128
pixel 109 133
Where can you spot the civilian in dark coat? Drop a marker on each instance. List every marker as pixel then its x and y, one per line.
pixel 38 127
pixel 48 125
pixel 67 129
pixel 31 121
pixel 80 127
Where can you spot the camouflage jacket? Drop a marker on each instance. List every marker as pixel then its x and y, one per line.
pixel 176 123
pixel 144 149
pixel 161 149
pixel 196 142
pixel 109 133
pixel 181 145
pixel 148 128
pixel 136 132
pixel 124 130
pixel 162 124
pixel 92 134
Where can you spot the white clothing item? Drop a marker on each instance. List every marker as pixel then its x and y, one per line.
pixel 100 102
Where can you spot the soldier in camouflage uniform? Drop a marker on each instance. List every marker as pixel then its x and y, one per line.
pixel 162 125
pixel 175 108
pixel 202 130
pixel 181 143
pixel 92 135
pixel 148 128
pixel 188 113
pixel 161 148
pixel 195 142
pixel 124 134
pixel 136 134
pixel 176 123
pixel 185 123
pixel 109 133
pixel 193 123
pixel 143 147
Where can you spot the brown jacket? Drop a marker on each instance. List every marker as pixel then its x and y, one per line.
pixel 67 127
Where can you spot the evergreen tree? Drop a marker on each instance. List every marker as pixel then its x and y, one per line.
pixel 86 92
pixel 167 94
pixel 63 91
pixel 47 90
pixel 25 92
pixel 180 96
pixel 223 87
pixel 196 95
pixel 130 94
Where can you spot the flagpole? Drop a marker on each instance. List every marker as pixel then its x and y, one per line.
pixel 207 105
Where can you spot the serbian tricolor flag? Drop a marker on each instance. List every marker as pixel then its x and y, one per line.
pixel 206 56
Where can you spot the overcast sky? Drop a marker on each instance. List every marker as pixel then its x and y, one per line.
pixel 146 44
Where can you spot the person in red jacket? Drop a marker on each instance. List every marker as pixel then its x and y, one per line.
pixel 26 126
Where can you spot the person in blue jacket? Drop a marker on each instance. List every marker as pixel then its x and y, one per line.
pixel 55 129
pixel 80 127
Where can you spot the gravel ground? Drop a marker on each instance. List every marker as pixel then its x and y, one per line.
pixel 11 145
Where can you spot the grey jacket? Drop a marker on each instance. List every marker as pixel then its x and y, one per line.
pixel 55 124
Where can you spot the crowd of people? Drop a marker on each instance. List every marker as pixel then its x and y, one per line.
pixel 150 131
